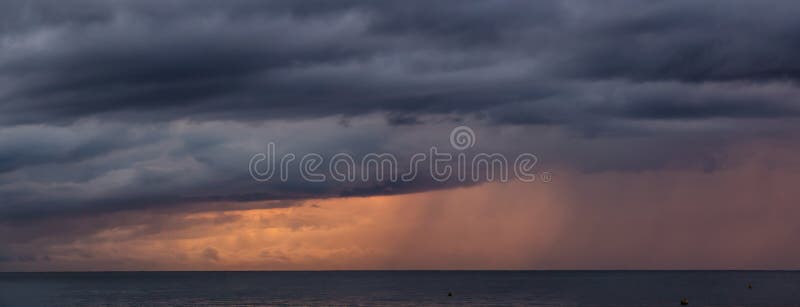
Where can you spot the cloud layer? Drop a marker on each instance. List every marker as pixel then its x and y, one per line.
pixel 557 61
pixel 126 106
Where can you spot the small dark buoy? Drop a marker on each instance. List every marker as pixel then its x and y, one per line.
pixel 449 293
pixel 749 286
pixel 684 301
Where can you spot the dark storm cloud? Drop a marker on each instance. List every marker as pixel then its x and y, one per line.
pixel 26 146
pixel 257 60
pixel 200 163
pixel 118 105
pixel 691 41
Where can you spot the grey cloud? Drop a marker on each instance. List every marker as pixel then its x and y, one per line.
pixel 182 163
pixel 108 106
pixel 31 145
pixel 605 101
pixel 260 60
pixel 206 163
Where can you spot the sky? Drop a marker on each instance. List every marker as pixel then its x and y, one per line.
pixel 665 134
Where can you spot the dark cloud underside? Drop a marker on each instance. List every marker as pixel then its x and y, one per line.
pixel 107 106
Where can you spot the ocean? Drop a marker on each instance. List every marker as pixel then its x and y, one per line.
pixel 403 288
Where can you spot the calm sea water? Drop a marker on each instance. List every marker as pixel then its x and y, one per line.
pixel 378 288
